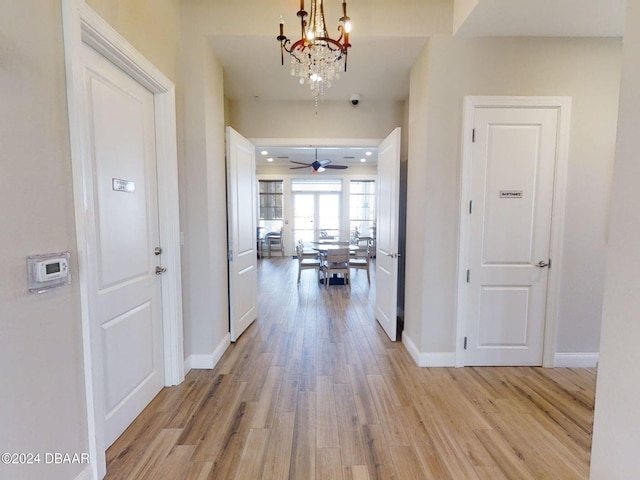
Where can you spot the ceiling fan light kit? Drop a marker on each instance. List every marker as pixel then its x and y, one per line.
pixel 316 58
pixel 318 166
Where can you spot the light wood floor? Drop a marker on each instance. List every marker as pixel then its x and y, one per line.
pixel 314 390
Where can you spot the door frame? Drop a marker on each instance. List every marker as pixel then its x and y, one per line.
pixel 563 105
pixel 306 142
pixel 82 26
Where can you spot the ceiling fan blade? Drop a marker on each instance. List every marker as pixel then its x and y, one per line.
pixel 336 167
pixel 295 168
pixel 300 163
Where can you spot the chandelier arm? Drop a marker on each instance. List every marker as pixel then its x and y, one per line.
pixel 303 22
pixel 331 44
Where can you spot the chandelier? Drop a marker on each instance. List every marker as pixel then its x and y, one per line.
pixel 317 59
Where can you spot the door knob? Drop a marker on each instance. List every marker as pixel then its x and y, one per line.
pixel 542 264
pixel 160 270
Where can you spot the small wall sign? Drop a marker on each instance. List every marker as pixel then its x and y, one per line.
pixel 510 193
pixel 124 185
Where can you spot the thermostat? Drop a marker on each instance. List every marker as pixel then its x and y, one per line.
pixel 48 271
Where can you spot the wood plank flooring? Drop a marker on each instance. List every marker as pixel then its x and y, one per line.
pixel 315 390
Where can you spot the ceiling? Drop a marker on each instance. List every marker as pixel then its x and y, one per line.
pixel 546 18
pixel 283 156
pixel 387 37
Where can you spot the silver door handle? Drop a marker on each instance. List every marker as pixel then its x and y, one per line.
pixel 542 264
pixel 160 270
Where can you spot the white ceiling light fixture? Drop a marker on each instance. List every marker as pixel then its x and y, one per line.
pixel 316 58
pixel 317 166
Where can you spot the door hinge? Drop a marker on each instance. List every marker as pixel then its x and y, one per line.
pixel 465 343
pixel 468 276
pixel 230 255
pixel 473 135
pixel 549 263
pixel 470 207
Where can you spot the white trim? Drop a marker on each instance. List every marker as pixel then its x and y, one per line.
pixel 428 359
pixel 576 360
pixel 86 474
pixel 81 25
pixel 209 361
pixel 563 104
pixel 316 142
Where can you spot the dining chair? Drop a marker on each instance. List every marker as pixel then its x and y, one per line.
pixel 336 262
pixel 305 263
pixel 274 242
pixel 306 252
pixel 362 263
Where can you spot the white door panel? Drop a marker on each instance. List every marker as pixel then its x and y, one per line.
pixel 388 198
pixel 513 165
pixel 125 290
pixel 242 221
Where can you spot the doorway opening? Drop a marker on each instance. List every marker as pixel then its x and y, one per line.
pixel 316 209
pixel 376 196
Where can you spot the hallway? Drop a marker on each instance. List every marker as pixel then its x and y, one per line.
pixel 315 390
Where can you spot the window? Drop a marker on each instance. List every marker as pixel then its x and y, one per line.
pixel 362 208
pixel 270 213
pixel 316 208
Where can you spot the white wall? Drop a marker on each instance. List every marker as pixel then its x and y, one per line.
pixel 461 10
pixel 204 197
pixel 417 174
pixel 585 69
pixel 616 434
pixel 373 17
pixel 262 119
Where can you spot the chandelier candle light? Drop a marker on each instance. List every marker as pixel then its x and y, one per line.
pixel 316 58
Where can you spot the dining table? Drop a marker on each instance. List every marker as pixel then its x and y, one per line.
pixel 323 247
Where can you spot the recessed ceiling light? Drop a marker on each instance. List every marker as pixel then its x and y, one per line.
pixel 269 159
pixel 368 154
pixel 264 152
pixel 363 160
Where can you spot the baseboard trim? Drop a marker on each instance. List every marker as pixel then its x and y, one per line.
pixel 428 359
pixel 86 474
pixel 209 361
pixel 576 360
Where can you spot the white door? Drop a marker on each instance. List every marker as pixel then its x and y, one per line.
pixel 314 213
pixel 512 184
pixel 388 197
pixel 124 289
pixel 242 231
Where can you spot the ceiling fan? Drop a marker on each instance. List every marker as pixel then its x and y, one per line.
pixel 318 166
